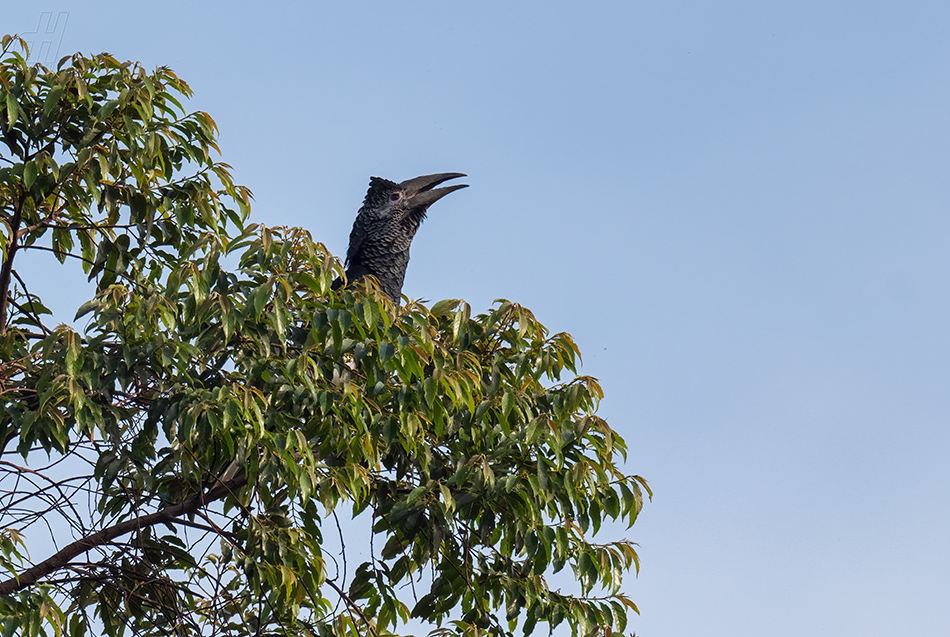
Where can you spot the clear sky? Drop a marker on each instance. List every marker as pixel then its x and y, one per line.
pixel 738 208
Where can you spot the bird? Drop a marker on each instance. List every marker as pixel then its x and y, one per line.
pixel 385 226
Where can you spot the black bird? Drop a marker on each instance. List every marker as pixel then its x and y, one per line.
pixel 385 226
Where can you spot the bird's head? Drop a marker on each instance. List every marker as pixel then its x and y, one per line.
pixel 408 200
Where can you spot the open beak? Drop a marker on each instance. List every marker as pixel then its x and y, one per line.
pixel 422 192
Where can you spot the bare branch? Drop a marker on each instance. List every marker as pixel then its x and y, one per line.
pixel 167 515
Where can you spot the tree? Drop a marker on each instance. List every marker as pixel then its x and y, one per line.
pixel 173 466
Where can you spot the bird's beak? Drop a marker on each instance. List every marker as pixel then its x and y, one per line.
pixel 422 192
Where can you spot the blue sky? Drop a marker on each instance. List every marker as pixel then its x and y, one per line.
pixel 739 210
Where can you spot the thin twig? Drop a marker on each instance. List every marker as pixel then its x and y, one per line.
pixel 167 515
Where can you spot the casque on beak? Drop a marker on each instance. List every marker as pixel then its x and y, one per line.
pixel 421 192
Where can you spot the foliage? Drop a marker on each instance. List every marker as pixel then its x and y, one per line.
pixel 186 448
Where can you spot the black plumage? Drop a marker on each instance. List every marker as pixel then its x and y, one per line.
pixel 385 225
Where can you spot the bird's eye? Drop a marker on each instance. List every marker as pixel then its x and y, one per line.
pixel 395 196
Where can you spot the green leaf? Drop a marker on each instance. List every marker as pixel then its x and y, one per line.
pixel 311 282
pixel 86 308
pixel 507 402
pixel 73 353
pixel 260 297
pixel 107 109
pixel 52 99
pixel 445 307
pixel 13 110
pixel 29 174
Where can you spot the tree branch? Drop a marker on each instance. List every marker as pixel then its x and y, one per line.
pixel 7 266
pixel 32 311
pixel 60 559
pixel 353 606
pixel 42 223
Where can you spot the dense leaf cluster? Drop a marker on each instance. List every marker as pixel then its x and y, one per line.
pixel 222 403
